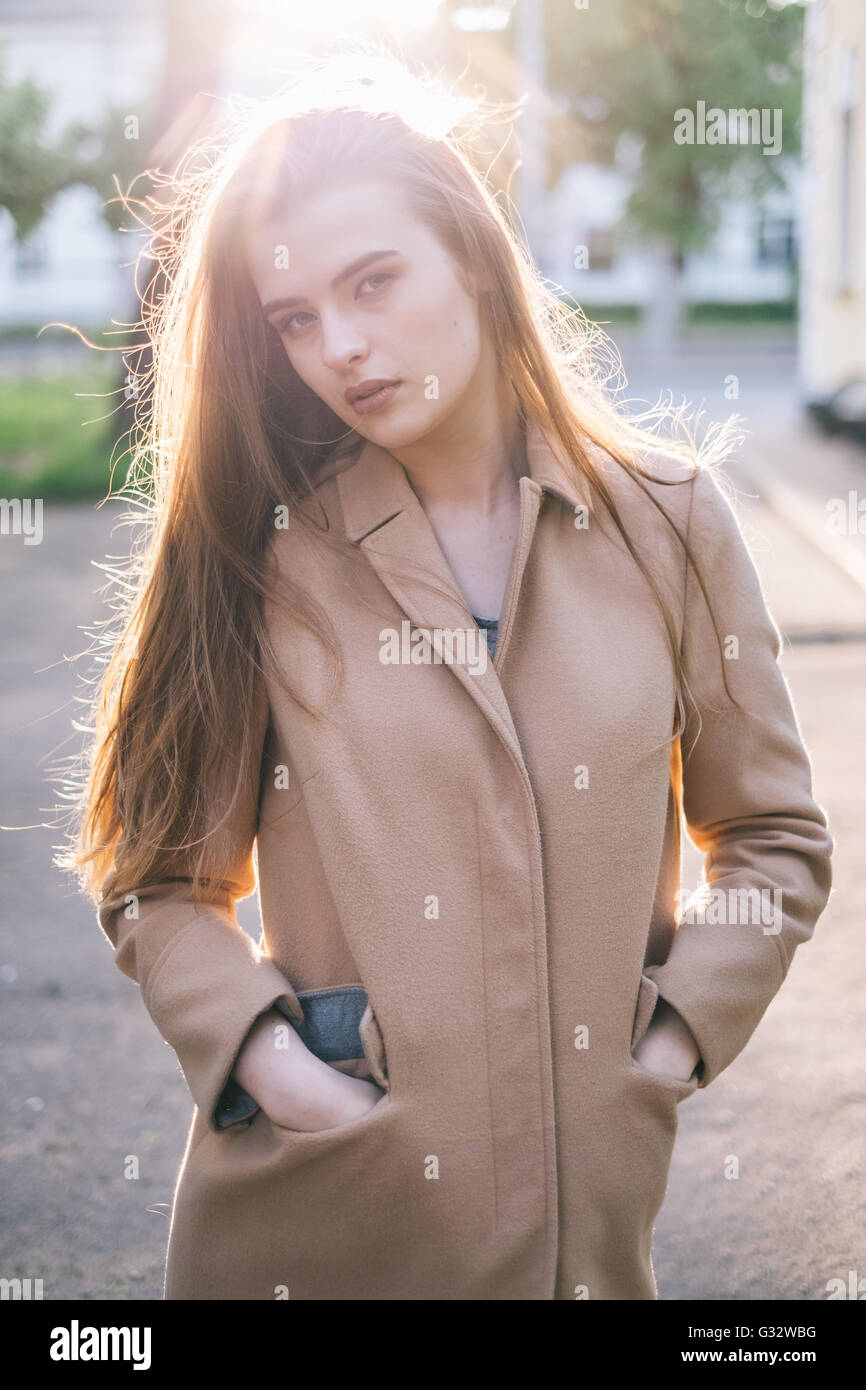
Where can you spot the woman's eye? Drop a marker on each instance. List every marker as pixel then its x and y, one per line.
pixel 284 325
pixel 378 275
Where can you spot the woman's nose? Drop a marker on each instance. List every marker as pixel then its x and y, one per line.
pixel 342 345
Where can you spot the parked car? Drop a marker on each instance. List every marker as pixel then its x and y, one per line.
pixel 844 412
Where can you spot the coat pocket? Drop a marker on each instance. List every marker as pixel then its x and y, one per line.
pixel 341 1028
pixel 646 1002
pixel 374 1047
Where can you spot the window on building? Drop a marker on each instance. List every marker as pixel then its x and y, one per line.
pixel 847 106
pixel 31 255
pixel 777 241
pixel 600 247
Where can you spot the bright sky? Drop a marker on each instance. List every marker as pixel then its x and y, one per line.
pixel 331 17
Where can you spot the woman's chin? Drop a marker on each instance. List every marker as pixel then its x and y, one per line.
pixel 390 435
pixel 400 431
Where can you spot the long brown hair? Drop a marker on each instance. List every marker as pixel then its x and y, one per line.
pixel 226 432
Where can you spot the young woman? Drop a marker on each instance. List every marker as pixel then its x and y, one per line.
pixel 452 1066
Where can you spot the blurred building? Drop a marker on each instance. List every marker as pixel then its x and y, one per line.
pixel 752 257
pixel 832 349
pixel 89 55
pixel 94 54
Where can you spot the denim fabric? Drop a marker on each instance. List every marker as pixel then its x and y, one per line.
pixel 235 1104
pixel 490 628
pixel 331 1022
pixel 330 1030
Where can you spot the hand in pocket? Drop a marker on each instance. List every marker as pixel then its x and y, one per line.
pixel 668 1047
pixel 318 1096
pixel 294 1087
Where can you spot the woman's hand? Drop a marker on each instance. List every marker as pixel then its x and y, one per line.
pixel 330 1098
pixel 294 1087
pixel 668 1046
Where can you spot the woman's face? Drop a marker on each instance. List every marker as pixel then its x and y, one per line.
pixel 359 290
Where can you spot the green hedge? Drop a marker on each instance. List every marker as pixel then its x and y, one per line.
pixel 703 312
pixel 48 445
pixel 763 311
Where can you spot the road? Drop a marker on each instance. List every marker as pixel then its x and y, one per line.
pixel 792 1107
pixel 87 1081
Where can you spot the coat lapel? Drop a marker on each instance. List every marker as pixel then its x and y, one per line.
pixel 383 515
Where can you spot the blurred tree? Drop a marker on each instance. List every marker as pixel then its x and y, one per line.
pixel 183 110
pixel 115 158
pixel 628 66
pixel 116 154
pixel 34 166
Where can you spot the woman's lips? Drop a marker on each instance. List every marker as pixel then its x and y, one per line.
pixel 364 405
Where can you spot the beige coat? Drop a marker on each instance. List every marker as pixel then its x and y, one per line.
pixel 494 856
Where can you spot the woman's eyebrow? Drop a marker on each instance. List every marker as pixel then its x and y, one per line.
pixel 350 270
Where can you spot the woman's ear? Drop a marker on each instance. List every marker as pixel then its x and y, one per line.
pixel 475 282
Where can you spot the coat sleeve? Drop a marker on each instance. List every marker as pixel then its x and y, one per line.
pixel 204 981
pixel 747 802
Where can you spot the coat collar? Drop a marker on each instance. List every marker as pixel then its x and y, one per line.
pixel 376 487
pixel 384 516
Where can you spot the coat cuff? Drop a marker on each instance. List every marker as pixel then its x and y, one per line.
pixel 720 979
pixel 234 1107
pixel 203 981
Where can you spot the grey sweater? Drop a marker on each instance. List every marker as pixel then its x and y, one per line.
pixel 490 628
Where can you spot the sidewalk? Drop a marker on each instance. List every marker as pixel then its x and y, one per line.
pixel 804 480
pixel 785 472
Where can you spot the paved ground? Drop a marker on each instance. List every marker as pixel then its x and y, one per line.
pixel 87 1080
pixel 792 1107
